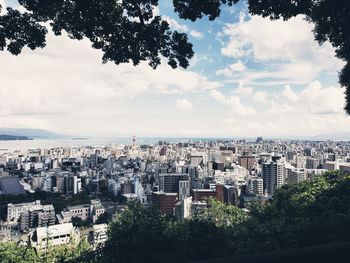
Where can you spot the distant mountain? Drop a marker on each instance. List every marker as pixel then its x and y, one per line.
pixel 318 137
pixel 5 137
pixel 31 133
pixel 333 136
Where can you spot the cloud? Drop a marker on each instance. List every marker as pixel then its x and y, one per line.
pixel 183 104
pixel 3 6
pixel 173 23
pixel 320 100
pixel 232 69
pixel 65 87
pixel 243 90
pixel 260 96
pixel 286 50
pixel 289 93
pixel 234 102
pixel 313 110
pixel 196 34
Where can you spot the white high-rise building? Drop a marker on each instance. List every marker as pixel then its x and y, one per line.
pixel 273 176
pixel 256 185
pixel 297 176
pixel 184 189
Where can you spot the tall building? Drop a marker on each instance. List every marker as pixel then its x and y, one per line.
pixel 72 184
pixel 169 182
pixel 312 163
pixel 247 161
pixel 184 189
pixel 273 176
pixel 183 208
pixel 230 193
pixel 256 185
pixel 297 176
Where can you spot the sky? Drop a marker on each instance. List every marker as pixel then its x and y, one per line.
pixel 249 77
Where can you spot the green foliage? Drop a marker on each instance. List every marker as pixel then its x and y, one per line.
pixel 105 218
pixel 22 253
pixel 77 222
pixel 309 213
pixel 222 215
pixel 143 235
pixel 304 214
pixel 15 253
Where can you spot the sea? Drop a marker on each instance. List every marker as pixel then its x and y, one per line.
pixel 25 145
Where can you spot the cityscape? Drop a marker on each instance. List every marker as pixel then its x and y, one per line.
pixel 194 131
pixel 176 178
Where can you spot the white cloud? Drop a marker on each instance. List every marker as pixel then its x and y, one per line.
pixel 286 50
pixel 65 87
pixel 196 34
pixel 196 59
pixel 243 90
pixel 289 93
pixel 314 110
pixel 3 6
pixel 183 104
pixel 234 102
pixel 232 69
pixel 175 24
pixel 260 96
pixel 319 100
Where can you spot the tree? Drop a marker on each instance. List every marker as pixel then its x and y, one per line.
pixel 143 235
pixel 222 215
pixel 78 222
pixel 125 31
pixel 21 253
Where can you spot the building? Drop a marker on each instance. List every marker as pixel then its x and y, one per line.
pixel 169 182
pixel 114 187
pixel 219 166
pixel 273 176
pixel 203 194
pixel 344 168
pixel 184 189
pixel 72 184
pixel 85 212
pixel 247 162
pixel 230 194
pixel 331 165
pixel 56 235
pixel 256 185
pixel 183 208
pixel 99 234
pixel 187 208
pixel 164 202
pixel 297 176
pixel 37 217
pixel 31 214
pixel 312 163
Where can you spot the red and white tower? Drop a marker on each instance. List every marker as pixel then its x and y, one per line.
pixel 133 143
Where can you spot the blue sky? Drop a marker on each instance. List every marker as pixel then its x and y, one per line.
pixel 250 76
